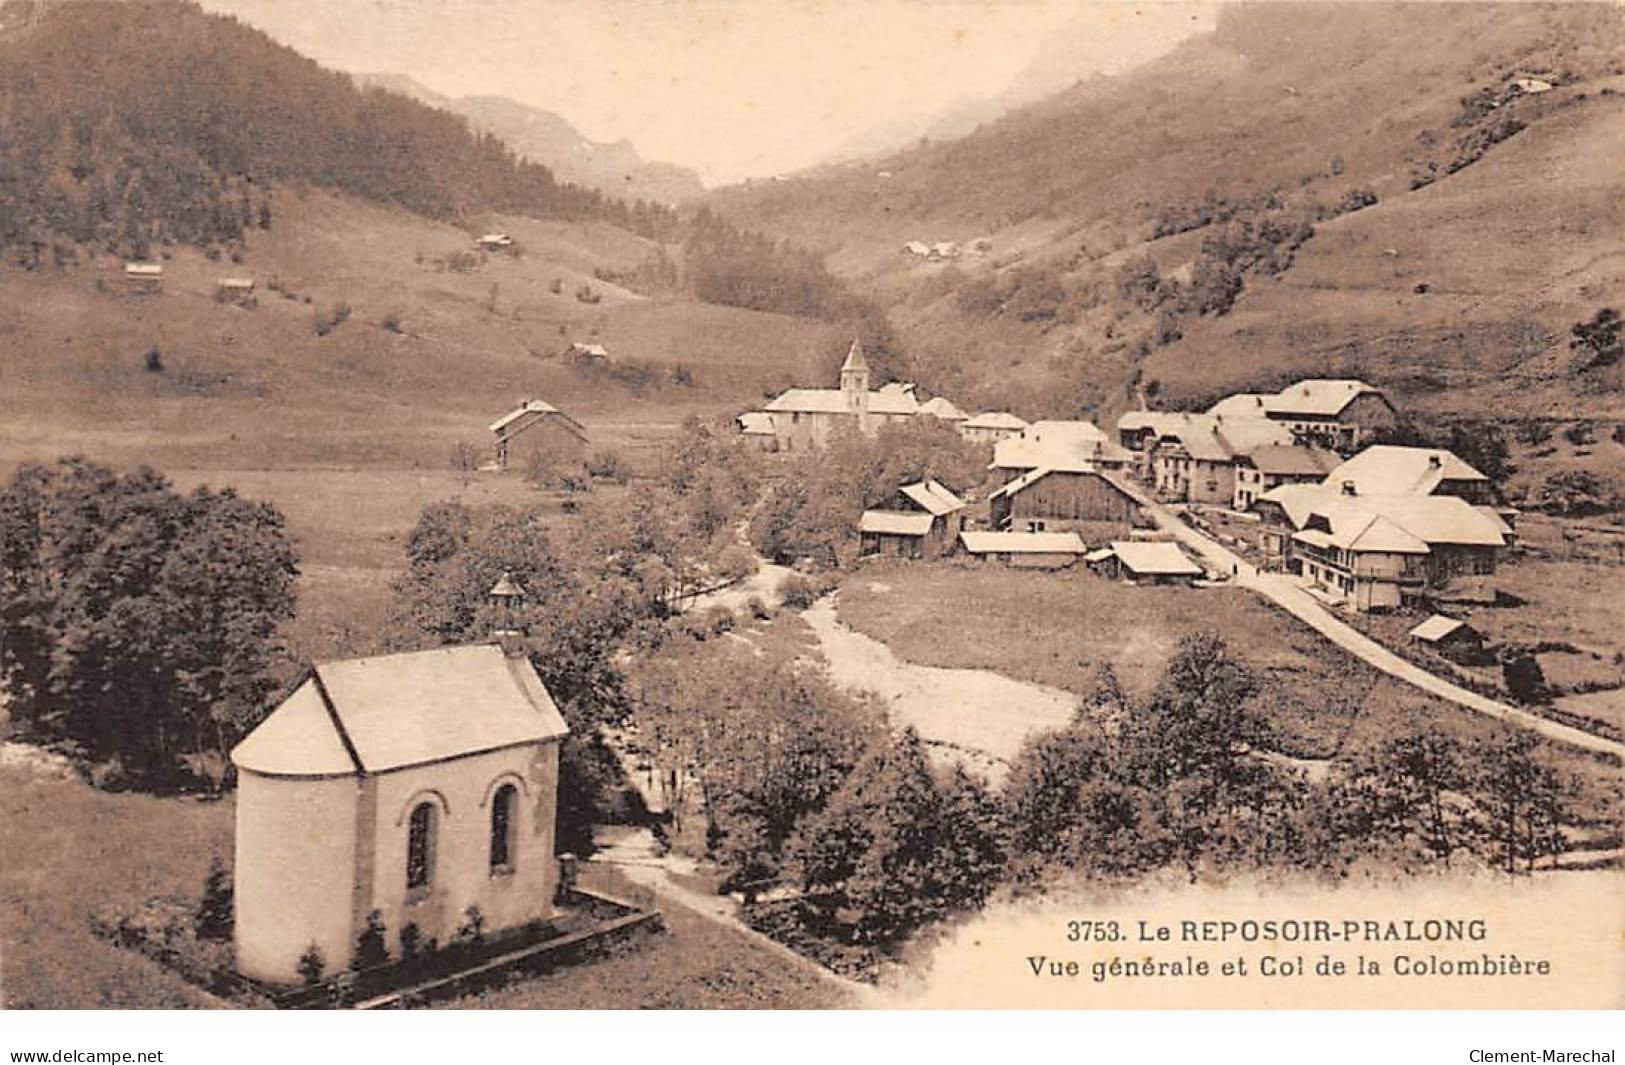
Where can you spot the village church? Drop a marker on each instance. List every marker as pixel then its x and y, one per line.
pixel 416 785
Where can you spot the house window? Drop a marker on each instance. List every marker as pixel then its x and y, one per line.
pixel 502 826
pixel 1035 526
pixel 420 847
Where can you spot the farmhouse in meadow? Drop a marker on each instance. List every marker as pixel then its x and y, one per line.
pixel 923 523
pixel 536 425
pixel 416 785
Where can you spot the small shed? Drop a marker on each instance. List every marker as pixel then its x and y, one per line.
pixel 1153 562
pixel 1024 550
pixel 144 277
pixel 756 427
pixel 586 354
pixel 494 242
pixel 238 290
pixel 1440 631
pixel 890 532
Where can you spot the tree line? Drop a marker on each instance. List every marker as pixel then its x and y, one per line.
pixel 130 125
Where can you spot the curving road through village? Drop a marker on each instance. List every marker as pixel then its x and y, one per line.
pixel 1285 593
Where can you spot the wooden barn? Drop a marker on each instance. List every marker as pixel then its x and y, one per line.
pixel 924 524
pixel 1148 562
pixel 1058 500
pixel 538 426
pixel 1024 550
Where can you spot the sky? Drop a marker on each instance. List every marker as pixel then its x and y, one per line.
pixel 729 88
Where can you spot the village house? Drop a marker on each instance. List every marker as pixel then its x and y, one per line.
pixel 1412 471
pixel 1024 550
pixel 1341 414
pixel 1145 562
pixel 1064 500
pixel 1273 465
pixel 1139 430
pixel 1058 445
pixel 806 418
pixel 144 277
pixel 990 427
pixel 415 785
pixel 1194 460
pixel 1383 552
pixel 756 427
pixel 538 426
pixel 943 409
pixel 924 524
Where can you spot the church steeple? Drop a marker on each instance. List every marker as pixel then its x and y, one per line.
pixel 855 379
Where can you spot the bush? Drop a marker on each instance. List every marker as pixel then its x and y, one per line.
pixel 471 933
pixel 312 966
pixel 758 609
pixel 735 563
pixel 718 620
pixel 1577 493
pixel 391 321
pixel 1525 680
pixel 371 946
pixel 607 465
pixel 213 919
pixel 155 360
pixel 411 940
pixel 797 592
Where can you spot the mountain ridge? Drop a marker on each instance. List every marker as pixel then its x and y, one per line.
pixel 614 168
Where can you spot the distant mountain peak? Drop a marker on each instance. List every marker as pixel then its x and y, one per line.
pixel 614 168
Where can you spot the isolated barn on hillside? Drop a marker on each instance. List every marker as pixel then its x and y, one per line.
pixel 144 277
pixel 536 425
pixel 416 785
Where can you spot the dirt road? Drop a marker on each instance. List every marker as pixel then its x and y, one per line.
pixel 1282 590
pixel 976 716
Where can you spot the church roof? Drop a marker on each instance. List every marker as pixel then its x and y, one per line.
pixel 833 401
pixel 371 715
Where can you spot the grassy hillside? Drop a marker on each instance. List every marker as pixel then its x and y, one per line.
pixel 427 356
pixel 1507 215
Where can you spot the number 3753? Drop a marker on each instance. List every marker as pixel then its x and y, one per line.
pixel 1093 932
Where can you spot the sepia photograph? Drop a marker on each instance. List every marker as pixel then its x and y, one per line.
pixel 955 505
